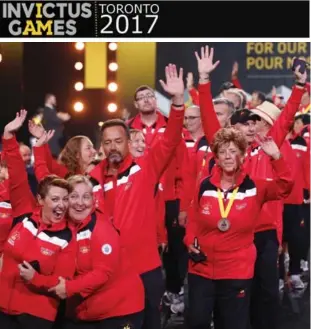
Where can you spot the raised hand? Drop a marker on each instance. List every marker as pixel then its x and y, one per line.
pixel 235 70
pixel 268 146
pixel 63 116
pixel 35 130
pixel 45 137
pixel 205 62
pixel 190 80
pixel 15 124
pixel 174 82
pixel 300 77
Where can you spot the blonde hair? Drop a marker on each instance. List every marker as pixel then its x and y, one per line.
pixel 134 132
pixel 79 179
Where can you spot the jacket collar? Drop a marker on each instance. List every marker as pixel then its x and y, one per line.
pixel 37 217
pixel 215 178
pixel 100 172
pixel 138 124
pixel 187 136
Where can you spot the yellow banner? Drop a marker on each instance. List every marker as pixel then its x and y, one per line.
pixel 137 65
pixel 95 62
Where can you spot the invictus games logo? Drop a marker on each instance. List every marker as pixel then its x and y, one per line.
pixel 44 18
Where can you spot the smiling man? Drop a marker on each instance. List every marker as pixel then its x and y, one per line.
pixel 245 121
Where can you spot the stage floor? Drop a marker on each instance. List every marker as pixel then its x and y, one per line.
pixel 294 312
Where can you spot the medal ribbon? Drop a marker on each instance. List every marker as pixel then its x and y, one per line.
pixel 225 212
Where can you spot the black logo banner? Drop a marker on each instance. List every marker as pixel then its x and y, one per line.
pixel 167 19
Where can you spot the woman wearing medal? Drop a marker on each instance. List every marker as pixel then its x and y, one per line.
pixel 221 228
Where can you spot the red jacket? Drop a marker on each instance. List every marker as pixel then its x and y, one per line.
pixel 5 213
pixel 305 133
pixel 258 164
pixel 129 197
pixel 194 94
pixel 31 240
pixel 200 161
pixel 105 280
pixel 172 177
pixel 160 208
pixel 298 157
pixel 231 254
pixel 45 164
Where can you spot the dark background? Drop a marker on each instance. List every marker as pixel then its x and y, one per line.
pixel 30 70
pixel 182 54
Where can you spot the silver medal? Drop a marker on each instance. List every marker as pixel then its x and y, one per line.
pixel 223 225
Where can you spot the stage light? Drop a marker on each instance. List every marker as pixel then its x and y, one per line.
pixel 112 86
pixel 79 45
pixel 79 86
pixel 113 66
pixel 78 106
pixel 78 66
pixel 113 46
pixel 112 107
pixel 100 123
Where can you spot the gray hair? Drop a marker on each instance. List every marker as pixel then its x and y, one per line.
pixel 193 107
pixel 223 100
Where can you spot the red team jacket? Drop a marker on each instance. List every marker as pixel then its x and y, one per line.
pixel 171 180
pixel 5 213
pixel 129 197
pixel 257 163
pixel 232 254
pixel 44 162
pixel 305 133
pixel 105 279
pixel 298 156
pixel 31 240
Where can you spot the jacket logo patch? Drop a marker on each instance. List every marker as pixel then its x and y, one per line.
pixel 46 252
pixel 241 206
pixel 127 186
pixel 4 215
pixel 106 249
pixel 15 236
pixel 206 209
pixel 84 249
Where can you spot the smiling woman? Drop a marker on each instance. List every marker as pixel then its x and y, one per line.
pixel 103 270
pixel 221 228
pixel 41 227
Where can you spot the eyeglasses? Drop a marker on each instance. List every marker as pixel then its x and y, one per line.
pixel 190 118
pixel 149 96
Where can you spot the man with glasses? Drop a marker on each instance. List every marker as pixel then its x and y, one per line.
pixel 152 123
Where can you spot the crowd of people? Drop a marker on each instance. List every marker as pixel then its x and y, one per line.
pixel 215 197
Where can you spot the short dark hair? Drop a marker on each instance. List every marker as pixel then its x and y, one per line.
pixel 47 96
pixel 261 96
pixel 52 180
pixel 116 123
pixel 226 85
pixel 141 88
pixel 305 118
